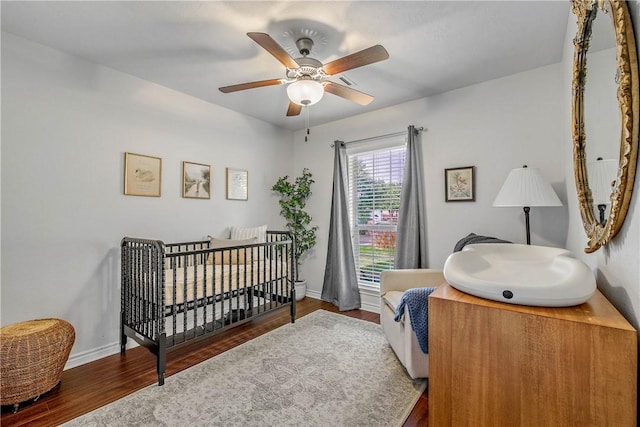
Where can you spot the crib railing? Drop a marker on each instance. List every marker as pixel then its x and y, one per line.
pixel 142 292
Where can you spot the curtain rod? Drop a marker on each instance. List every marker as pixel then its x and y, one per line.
pixel 388 135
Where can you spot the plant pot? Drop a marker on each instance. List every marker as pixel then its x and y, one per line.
pixel 301 289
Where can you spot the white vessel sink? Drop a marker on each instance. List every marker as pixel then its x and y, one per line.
pixel 521 274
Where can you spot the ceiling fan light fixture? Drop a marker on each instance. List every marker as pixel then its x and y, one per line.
pixel 305 92
pixel 306 76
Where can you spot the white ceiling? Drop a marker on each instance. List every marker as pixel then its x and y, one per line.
pixel 195 47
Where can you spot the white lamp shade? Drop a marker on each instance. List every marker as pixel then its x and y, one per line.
pixel 602 175
pixel 526 187
pixel 305 92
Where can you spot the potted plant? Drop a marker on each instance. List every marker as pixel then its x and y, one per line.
pixel 293 200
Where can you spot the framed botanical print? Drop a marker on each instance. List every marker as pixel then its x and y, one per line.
pixel 459 184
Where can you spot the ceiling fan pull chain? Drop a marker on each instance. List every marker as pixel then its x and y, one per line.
pixel 306 120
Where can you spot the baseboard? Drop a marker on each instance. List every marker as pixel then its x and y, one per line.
pixel 370 301
pixel 314 294
pixel 91 355
pixel 369 306
pixel 96 353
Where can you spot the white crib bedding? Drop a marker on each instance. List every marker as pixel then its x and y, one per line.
pixel 208 280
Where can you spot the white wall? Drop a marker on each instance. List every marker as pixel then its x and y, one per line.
pixel 66 124
pixel 617 266
pixel 496 126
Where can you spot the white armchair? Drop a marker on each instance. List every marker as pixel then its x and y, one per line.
pixel 400 335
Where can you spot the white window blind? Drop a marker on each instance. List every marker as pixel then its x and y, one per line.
pixel 375 181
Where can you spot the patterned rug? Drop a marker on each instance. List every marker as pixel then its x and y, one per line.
pixel 325 370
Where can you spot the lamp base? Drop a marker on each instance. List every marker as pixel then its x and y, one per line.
pixel 526 210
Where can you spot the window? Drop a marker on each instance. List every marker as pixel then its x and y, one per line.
pixel 375 181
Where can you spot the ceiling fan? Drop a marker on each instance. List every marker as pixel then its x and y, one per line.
pixel 306 76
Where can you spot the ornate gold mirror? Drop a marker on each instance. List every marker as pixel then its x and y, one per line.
pixel 605 116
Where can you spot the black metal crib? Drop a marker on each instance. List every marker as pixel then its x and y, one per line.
pixel 178 292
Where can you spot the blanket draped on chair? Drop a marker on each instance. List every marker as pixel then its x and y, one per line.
pixel 416 300
pixel 473 238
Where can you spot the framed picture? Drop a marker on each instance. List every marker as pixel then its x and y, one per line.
pixel 142 175
pixel 459 184
pixel 196 180
pixel 237 184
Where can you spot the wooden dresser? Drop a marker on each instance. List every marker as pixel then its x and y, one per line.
pixel 495 364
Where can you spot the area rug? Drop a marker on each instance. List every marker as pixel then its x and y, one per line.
pixel 326 369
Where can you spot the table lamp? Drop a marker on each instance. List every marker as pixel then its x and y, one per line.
pixel 526 187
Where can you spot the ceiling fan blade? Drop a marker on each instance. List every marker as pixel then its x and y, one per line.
pixel 367 56
pixel 348 93
pixel 294 109
pixel 251 85
pixel 271 46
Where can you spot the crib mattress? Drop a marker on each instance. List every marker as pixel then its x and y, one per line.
pixel 207 280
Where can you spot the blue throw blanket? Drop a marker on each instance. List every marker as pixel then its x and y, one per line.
pixel 416 300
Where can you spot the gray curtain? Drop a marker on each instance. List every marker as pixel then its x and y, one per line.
pixel 411 238
pixel 340 285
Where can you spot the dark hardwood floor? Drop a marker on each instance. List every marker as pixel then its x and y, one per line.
pixel 90 386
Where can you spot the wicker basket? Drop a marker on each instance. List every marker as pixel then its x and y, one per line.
pixel 32 358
